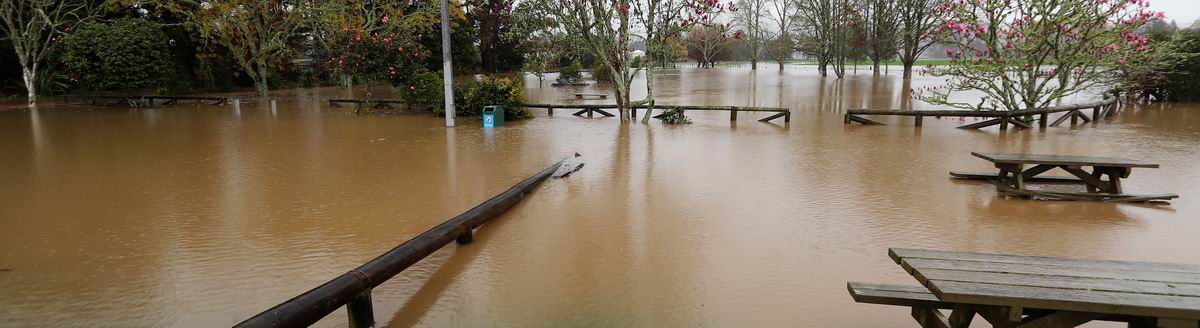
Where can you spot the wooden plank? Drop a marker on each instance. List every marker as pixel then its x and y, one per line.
pixel 1067 300
pixel 1019 123
pixel 1061 160
pixel 1093 180
pixel 983 124
pixel 994 176
pixel 862 120
pixel 917 264
pixel 899 295
pixel 939 113
pixel 769 118
pixel 1057 319
pixel 1062 119
pixel 1077 283
pixel 899 253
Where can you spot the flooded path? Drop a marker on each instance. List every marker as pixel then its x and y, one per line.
pixel 200 216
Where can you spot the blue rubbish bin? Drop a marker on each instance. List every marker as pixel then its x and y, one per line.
pixel 493 116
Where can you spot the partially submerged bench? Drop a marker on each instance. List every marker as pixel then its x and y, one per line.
pixel 1013 176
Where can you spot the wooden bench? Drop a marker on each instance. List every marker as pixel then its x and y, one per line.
pixel 1013 176
pixel 1038 291
pixel 899 295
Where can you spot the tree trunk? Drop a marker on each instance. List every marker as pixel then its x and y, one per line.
pixel 781 65
pixel 29 74
pixel 822 66
pixel 875 66
pixel 649 94
pixel 908 65
pixel 260 84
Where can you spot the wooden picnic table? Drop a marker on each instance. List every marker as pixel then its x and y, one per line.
pixel 1036 291
pixel 1014 175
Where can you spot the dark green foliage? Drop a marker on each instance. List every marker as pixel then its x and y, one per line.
pixel 571 70
pixel 125 54
pixel 601 73
pixel 1183 78
pixel 674 116
pixel 471 97
pixel 424 89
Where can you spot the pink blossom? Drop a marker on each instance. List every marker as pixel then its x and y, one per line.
pixel 1121 61
pixel 385 19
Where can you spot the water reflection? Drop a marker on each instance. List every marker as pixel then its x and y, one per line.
pixel 195 215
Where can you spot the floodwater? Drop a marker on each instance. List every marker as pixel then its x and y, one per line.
pixel 199 215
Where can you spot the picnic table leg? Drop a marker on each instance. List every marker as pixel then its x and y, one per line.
pixel 1114 180
pixel 930 317
pixel 961 316
pixel 1018 176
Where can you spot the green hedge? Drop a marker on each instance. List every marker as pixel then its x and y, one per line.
pixel 124 54
pixel 469 97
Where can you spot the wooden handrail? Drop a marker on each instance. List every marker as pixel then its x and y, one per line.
pixel 353 288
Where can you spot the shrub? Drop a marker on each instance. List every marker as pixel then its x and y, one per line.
pixel 1181 79
pixel 124 54
pixel 637 62
pixel 392 57
pixel 674 117
pixel 601 73
pixel 571 70
pixel 471 97
pixel 423 89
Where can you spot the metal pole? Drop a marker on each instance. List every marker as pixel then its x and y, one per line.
pixel 447 70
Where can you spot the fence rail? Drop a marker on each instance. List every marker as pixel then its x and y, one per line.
pixel 353 289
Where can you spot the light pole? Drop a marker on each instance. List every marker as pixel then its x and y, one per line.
pixel 447 70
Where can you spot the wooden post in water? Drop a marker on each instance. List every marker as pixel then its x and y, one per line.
pixel 1004 123
pixel 733 114
pixel 549 111
pixel 1042 120
pixel 272 105
pixel 918 118
pixel 360 310
pixel 237 105
pixel 466 237
pixel 1074 116
pixel 1096 114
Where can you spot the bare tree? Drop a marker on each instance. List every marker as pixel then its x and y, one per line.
pixel 779 46
pixel 664 21
pixel 32 26
pixel 827 32
pixel 602 27
pixel 880 30
pixel 916 22
pixel 816 26
pixel 707 42
pixel 749 16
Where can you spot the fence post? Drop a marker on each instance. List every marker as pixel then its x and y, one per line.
pixel 360 312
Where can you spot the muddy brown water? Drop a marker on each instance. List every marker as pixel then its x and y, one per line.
pixel 202 216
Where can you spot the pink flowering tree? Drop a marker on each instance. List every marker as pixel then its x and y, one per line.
pixel 378 57
pixel 1029 54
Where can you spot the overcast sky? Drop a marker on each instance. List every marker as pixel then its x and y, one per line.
pixel 1182 11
